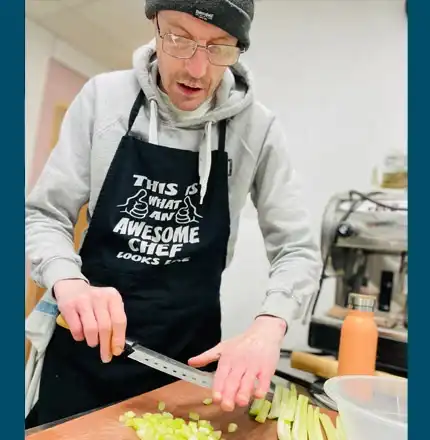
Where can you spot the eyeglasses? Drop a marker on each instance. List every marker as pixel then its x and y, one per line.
pixel 185 48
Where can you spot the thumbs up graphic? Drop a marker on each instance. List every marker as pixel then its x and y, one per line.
pixel 136 205
pixel 187 213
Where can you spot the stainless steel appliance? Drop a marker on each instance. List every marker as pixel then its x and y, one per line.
pixel 364 248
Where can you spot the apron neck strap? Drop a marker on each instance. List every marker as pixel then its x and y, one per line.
pixel 138 103
pixel 221 138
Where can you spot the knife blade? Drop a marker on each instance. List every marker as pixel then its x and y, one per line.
pixel 160 362
pixel 167 365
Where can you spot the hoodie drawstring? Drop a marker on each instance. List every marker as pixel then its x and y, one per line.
pixel 153 131
pixel 205 149
pixel 205 160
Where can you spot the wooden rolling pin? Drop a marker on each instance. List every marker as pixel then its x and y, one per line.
pixel 321 366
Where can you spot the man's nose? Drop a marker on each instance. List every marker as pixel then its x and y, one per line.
pixel 197 65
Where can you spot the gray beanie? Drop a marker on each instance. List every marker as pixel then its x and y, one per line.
pixel 233 16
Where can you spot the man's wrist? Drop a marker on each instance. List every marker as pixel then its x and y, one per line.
pixel 273 326
pixel 58 284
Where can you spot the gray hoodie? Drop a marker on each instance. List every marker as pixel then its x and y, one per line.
pixel 260 166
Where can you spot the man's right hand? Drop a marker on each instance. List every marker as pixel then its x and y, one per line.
pixel 94 314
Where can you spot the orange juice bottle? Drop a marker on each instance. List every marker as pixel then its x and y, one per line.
pixel 359 337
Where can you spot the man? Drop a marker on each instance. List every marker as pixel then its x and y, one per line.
pixel 165 154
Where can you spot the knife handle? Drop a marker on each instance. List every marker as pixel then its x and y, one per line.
pixel 62 322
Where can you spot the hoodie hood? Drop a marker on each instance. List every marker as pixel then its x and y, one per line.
pixel 234 94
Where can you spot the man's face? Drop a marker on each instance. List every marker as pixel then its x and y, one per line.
pixel 189 82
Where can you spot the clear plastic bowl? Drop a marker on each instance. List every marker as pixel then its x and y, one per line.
pixel 371 407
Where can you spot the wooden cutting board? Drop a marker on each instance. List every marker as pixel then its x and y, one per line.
pixel 181 398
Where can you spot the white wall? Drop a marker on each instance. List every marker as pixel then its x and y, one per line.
pixel 40 46
pixel 335 73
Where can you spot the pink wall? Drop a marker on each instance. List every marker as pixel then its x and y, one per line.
pixel 61 86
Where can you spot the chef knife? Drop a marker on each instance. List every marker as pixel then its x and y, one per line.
pixel 158 361
pixel 163 363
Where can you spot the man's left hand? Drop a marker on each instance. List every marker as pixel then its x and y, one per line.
pixel 243 360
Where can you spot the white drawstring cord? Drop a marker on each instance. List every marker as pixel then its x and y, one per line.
pixel 153 130
pixel 205 159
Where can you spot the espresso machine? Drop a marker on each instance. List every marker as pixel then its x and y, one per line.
pixel 364 249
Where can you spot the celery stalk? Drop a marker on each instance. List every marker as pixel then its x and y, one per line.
pixel 283 426
pixel 276 402
pixel 329 429
pixel 317 425
pixel 292 403
pixel 283 430
pixel 264 412
pixel 283 407
pixel 311 423
pixel 299 429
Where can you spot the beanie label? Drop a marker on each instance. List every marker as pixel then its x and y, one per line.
pixel 203 15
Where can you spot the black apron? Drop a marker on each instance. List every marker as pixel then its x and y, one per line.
pixel 165 253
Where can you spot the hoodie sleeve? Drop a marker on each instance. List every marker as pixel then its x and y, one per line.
pixel 53 206
pixel 294 256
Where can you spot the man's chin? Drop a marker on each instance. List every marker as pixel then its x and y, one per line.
pixel 188 105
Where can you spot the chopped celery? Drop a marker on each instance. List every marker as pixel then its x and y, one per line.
pixel 194 416
pixel 161 406
pixel 232 427
pixel 330 430
pixel 264 412
pixel 276 402
pixel 207 401
pixel 127 415
pixel 299 428
pixel 168 415
pixel 256 407
pixel 163 426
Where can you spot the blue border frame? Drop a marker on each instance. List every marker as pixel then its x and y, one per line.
pixel 12 182
pixel 418 12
